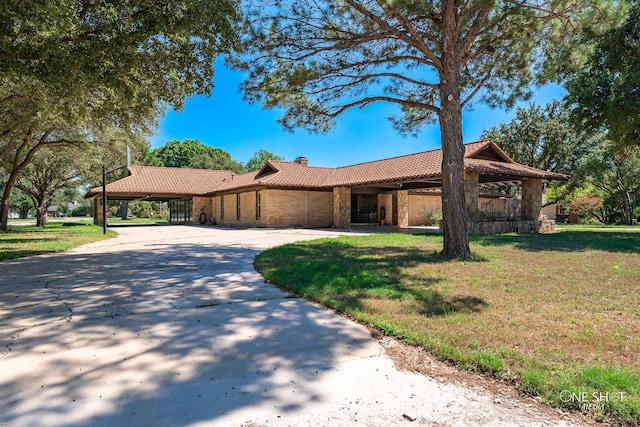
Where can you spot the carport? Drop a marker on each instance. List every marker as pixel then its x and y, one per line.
pixel 175 186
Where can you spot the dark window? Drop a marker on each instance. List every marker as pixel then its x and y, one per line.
pixel 258 207
pixel 238 206
pixel 181 210
pixel 221 207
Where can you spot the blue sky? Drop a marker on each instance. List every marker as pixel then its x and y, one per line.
pixel 226 121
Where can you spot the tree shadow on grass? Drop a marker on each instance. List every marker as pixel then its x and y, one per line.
pixel 438 305
pixel 345 277
pixel 9 252
pixel 565 241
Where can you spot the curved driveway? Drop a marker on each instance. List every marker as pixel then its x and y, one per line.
pixel 167 326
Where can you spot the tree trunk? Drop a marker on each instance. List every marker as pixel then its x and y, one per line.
pixel 6 200
pixel 124 210
pixel 41 215
pixel 454 217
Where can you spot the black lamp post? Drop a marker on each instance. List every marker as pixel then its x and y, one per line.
pixel 104 200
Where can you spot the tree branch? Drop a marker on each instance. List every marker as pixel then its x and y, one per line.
pixel 477 88
pixel 368 100
pixel 384 24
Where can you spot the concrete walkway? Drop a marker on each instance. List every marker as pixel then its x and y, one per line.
pixel 171 326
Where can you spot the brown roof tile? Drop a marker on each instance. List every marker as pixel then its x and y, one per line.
pixel 153 182
pixel 483 156
pixel 287 174
pixel 411 166
pixel 510 169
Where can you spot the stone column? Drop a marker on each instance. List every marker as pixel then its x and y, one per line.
pixel 341 207
pixel 403 208
pixel 531 198
pixel 471 195
pixel 98 211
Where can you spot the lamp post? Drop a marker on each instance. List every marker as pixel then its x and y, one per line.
pixel 104 200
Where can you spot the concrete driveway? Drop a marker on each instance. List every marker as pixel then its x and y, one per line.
pixel 168 326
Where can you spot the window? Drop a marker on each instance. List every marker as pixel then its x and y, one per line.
pixel 238 207
pixel 221 207
pixel 181 210
pixel 258 213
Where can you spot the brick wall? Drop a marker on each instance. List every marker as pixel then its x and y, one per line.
pixel 278 208
pixel 386 200
pixel 202 205
pixel 421 205
pixel 286 208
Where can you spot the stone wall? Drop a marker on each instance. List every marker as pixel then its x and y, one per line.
pixel 98 211
pixel 515 226
pixel 341 207
pixel 531 198
pixel 403 208
pixel 471 194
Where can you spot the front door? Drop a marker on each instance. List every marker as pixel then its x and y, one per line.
pixel 364 208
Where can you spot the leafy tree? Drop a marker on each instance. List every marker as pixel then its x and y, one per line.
pixel 67 198
pixel 589 205
pixel 21 203
pixel 122 45
pixel 192 153
pixel 147 157
pixel 217 161
pixel 259 158
pixel 545 139
pixel 542 138
pixel 51 170
pixel 179 154
pixel 606 92
pixel 71 69
pixel 616 177
pixel 37 123
pixel 316 59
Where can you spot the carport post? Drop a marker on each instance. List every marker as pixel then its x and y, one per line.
pixel 104 200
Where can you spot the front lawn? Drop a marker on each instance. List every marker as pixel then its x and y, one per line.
pixel 558 315
pixel 26 240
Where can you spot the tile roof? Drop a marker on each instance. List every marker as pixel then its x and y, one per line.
pixel 411 166
pixel 483 192
pixel 153 182
pixel 483 156
pixel 286 174
pixel 491 167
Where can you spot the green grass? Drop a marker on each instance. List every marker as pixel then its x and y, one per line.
pixel 28 240
pixel 548 313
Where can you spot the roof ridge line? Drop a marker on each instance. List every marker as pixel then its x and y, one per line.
pixel 180 168
pixel 409 154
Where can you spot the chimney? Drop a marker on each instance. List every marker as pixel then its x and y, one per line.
pixel 302 161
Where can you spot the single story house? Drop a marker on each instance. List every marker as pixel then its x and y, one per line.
pixel 401 191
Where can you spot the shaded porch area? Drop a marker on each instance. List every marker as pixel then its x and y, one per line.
pixel 493 203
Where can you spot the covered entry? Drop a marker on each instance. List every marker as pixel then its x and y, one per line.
pixel 364 208
pixel 177 186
